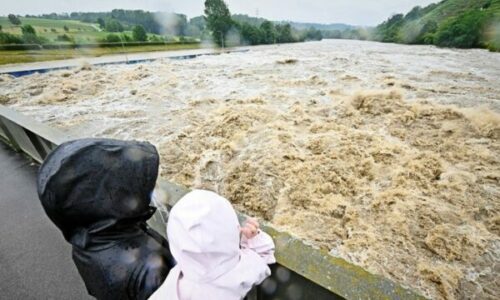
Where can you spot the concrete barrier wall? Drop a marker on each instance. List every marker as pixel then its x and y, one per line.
pixel 19 72
pixel 302 272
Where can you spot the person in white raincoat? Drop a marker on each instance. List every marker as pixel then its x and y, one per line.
pixel 213 262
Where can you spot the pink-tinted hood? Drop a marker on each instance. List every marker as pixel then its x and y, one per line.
pixel 204 238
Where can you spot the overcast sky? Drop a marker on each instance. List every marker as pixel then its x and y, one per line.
pixel 356 12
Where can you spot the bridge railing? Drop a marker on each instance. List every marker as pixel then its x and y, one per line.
pixel 302 271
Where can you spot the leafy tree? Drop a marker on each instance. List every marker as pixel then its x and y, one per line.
pixel 388 31
pixel 7 38
pixel 199 22
pixel 150 21
pixel 268 32
pixel 66 28
pixel 250 34
pixel 114 25
pixel 14 19
pixel 101 23
pixel 112 38
pixel 240 18
pixel 181 25
pixel 157 39
pixel 414 14
pixel 29 34
pixel 218 19
pixel 28 29
pixel 139 33
pixel 313 34
pixel 0 28
pixel 284 33
pixel 427 33
pixel 127 38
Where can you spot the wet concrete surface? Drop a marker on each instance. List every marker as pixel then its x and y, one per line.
pixel 35 260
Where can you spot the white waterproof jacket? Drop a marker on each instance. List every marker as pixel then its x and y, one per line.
pixel 212 262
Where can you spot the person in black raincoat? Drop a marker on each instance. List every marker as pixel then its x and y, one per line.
pixel 97 192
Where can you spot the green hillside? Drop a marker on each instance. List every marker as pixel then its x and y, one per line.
pixel 449 23
pixel 51 29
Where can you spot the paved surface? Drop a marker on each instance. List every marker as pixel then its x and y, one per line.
pixel 107 59
pixel 35 260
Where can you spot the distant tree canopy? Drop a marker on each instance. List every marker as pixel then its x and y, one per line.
pixel 217 24
pixel 313 34
pixel 268 32
pixel 250 34
pixel 7 38
pixel 29 35
pixel 28 29
pixel 137 17
pixel 284 33
pixel 101 23
pixel 388 31
pixel 113 25
pixel 252 31
pixel 14 19
pixel 199 22
pixel 415 13
pixel 139 33
pixel 112 38
pixel 172 24
pixel 218 19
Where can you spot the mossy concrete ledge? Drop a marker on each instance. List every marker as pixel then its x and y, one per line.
pixel 332 273
pixel 314 271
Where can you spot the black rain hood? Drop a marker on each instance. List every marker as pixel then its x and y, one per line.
pixel 97 192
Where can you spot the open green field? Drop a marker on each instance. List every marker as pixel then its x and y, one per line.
pixel 82 33
pixel 25 56
pixel 50 29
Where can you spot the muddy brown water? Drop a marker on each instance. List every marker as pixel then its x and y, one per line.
pixel 386 155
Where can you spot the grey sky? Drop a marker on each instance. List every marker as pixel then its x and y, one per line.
pixel 357 12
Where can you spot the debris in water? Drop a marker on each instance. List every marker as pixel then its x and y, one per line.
pixel 287 61
pixel 403 181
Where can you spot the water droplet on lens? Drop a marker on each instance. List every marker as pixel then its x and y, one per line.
pixel 282 274
pixel 269 286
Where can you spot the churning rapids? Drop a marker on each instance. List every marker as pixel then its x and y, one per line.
pixel 386 155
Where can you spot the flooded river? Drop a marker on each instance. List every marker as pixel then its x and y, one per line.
pixel 386 155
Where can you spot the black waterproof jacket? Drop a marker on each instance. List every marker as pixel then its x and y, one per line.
pixel 97 192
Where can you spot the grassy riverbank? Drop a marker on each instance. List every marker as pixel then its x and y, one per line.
pixel 25 56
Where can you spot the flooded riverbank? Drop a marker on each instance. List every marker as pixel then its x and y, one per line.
pixel 386 155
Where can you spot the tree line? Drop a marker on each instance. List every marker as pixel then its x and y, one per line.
pixel 30 36
pixel 216 25
pixel 226 29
